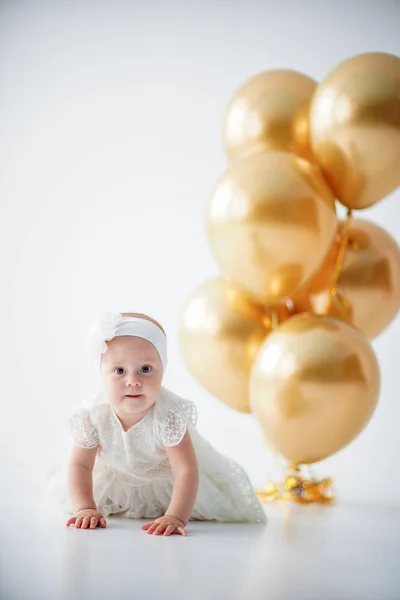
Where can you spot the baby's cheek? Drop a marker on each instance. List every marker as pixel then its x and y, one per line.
pixel 156 382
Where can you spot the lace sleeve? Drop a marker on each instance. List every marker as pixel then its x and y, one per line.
pixel 84 433
pixel 175 425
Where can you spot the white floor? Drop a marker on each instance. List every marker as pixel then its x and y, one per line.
pixel 326 553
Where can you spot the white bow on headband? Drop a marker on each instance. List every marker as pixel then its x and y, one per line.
pixel 112 325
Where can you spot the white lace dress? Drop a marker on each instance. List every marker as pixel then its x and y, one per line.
pixel 132 477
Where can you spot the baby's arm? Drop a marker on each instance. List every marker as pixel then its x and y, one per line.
pixel 182 459
pixel 80 486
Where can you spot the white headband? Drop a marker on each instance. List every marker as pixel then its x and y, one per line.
pixel 113 325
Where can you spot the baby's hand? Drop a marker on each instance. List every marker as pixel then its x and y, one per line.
pixel 88 518
pixel 165 526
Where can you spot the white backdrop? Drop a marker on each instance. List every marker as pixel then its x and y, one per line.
pixel 110 141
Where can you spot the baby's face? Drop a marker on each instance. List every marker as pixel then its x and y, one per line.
pixel 131 371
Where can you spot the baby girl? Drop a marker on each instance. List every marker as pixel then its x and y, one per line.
pixel 136 451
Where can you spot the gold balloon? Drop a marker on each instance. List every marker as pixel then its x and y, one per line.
pixel 270 111
pixel 314 387
pixel 355 128
pixel 271 221
pixel 369 282
pixel 220 334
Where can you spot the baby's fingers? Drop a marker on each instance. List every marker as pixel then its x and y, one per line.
pixel 170 529
pixel 78 522
pixel 182 531
pixel 146 526
pixel 96 521
pixel 160 529
pixel 86 522
pixel 70 521
pixel 152 528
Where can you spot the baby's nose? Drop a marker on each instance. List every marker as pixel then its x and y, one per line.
pixel 133 380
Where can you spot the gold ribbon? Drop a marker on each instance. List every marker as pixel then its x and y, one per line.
pixel 344 243
pixel 299 489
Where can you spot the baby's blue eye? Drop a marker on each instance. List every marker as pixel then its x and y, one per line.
pixel 146 369
pixel 119 370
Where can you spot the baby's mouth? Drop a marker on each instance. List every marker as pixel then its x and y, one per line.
pixel 133 395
